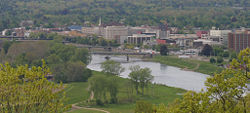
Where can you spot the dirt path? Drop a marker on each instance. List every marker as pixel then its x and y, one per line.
pixel 75 107
pixel 195 68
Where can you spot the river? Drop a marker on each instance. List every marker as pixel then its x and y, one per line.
pixel 163 74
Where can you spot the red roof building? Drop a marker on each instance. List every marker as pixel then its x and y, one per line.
pixel 159 41
pixel 200 33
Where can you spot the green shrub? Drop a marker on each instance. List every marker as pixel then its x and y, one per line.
pixel 219 59
pixel 212 60
pixel 143 107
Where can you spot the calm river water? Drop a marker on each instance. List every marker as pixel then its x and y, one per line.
pixel 163 74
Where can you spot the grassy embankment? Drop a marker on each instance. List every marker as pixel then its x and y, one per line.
pixel 156 94
pixel 188 64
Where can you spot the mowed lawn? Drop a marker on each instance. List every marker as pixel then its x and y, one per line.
pixel 203 66
pixel 77 92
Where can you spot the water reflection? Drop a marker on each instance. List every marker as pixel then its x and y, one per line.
pixel 163 68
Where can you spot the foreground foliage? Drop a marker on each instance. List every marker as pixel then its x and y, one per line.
pixel 27 90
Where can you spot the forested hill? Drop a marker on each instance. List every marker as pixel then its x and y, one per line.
pixel 179 13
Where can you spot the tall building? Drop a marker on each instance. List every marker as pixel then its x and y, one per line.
pixel 239 40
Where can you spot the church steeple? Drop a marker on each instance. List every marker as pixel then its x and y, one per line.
pixel 100 21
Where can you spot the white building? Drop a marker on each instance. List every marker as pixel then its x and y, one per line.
pixel 222 34
pixel 4 32
pixel 139 39
pixel 209 42
pixel 93 30
pixel 114 32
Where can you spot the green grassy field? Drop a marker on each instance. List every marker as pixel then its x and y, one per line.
pixel 77 93
pixel 203 66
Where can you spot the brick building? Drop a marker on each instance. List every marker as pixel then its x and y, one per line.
pixel 239 40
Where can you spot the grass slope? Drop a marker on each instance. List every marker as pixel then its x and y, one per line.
pixel 156 94
pixel 203 67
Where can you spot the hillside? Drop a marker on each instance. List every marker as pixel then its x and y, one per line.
pixel 179 13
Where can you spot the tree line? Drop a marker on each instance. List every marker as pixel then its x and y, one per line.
pixel 177 13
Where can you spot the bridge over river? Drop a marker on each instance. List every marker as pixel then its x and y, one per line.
pixel 102 50
pixel 118 53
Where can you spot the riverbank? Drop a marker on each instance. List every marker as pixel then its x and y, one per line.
pixel 77 93
pixel 188 64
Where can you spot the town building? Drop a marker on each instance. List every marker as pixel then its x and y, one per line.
pixel 201 34
pixel 184 40
pixel 239 40
pixel 224 36
pixel 75 28
pixel 197 43
pixel 136 30
pixel 93 30
pixel 221 34
pixel 114 32
pixel 160 41
pixel 139 39
pixel 4 32
pixel 19 32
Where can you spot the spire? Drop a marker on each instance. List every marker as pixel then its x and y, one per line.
pixel 100 21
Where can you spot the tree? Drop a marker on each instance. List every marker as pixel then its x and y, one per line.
pixel 98 86
pixel 243 62
pixel 26 90
pixel 112 88
pixel 54 59
pixel 21 59
pixel 212 60
pixel 112 67
pixel 6 46
pixel 71 72
pixel 217 51
pixel 140 77
pixel 225 54
pixel 77 72
pixel 103 85
pixel 164 50
pixel 233 55
pixel 219 59
pixel 81 55
pixel 63 51
pixel 207 50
